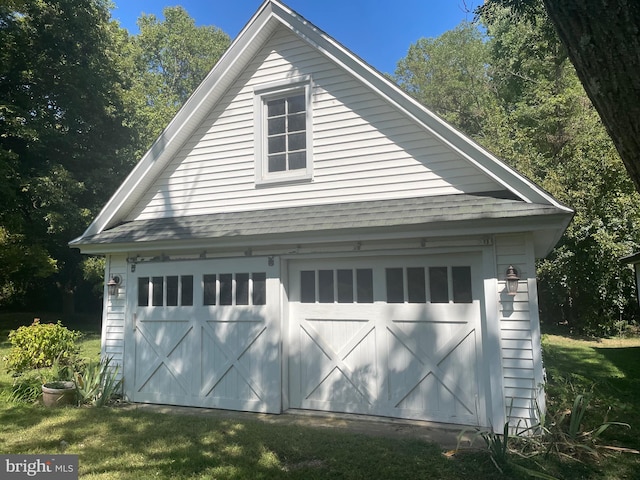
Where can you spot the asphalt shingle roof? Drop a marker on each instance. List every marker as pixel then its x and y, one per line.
pixel 373 214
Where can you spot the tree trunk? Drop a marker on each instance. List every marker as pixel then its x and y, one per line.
pixel 602 38
pixel 68 303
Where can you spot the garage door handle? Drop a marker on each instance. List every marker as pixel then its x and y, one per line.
pixel 135 317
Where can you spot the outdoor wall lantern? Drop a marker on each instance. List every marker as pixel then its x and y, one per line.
pixel 113 284
pixel 512 280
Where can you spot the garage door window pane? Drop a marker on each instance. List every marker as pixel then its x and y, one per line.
pixel 308 286
pixel 416 285
pixel 395 285
pixel 259 288
pixel 209 290
pixel 172 291
pixel 242 289
pixel 143 291
pixel 186 297
pixel 157 285
pixel 325 286
pixel 438 285
pixel 461 277
pixel 226 289
pixel 345 286
pixel 364 281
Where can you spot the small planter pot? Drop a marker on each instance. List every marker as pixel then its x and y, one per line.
pixel 57 394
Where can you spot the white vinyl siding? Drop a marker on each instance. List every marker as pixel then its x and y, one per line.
pixel 113 317
pixel 363 147
pixel 519 333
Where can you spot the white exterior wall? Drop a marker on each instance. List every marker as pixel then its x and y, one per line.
pixel 113 316
pixel 364 148
pixel 520 333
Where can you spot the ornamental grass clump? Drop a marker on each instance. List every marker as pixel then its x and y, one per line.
pixel 97 384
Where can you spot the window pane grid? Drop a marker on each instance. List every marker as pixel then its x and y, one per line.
pixel 432 285
pixel 336 286
pixel 286 133
pixel 227 289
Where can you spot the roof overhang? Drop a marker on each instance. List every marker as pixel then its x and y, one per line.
pixel 631 259
pixel 423 217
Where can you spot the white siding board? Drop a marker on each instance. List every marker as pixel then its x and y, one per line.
pixel 517 363
pixel 520 354
pixel 519 358
pixel 113 316
pixel 519 373
pixel 179 207
pixel 518 383
pixel 364 148
pixel 521 344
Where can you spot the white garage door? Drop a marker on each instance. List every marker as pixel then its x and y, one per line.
pixel 393 336
pixel 205 334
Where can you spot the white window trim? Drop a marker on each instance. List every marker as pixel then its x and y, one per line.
pixel 263 93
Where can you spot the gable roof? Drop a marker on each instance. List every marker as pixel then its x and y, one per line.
pixel 271 15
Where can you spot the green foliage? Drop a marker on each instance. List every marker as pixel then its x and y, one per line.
pixel 567 434
pixel 167 61
pixel 449 75
pixel 525 103
pixel 562 432
pixel 97 382
pixel 63 139
pixel 26 388
pixel 557 139
pixel 80 101
pixel 41 345
pixel 93 272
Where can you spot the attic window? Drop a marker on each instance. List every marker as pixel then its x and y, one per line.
pixel 283 132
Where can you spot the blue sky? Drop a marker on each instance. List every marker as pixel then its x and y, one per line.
pixel 379 31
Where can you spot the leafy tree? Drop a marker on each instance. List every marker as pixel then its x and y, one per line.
pixel 449 74
pixel 552 133
pixel 602 41
pixel 62 135
pixel 169 59
pixel 80 100
pixel 532 111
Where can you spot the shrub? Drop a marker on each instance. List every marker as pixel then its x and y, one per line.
pixel 41 345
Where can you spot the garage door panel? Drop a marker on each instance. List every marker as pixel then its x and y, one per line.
pixel 234 384
pixel 342 387
pixel 162 356
pixel 211 337
pixel 233 363
pixel 411 351
pixel 422 361
pixel 338 367
pixel 432 398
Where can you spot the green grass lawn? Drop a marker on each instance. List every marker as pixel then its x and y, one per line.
pixel 120 443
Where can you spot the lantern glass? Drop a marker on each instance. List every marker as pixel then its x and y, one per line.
pixel 512 280
pixel 113 284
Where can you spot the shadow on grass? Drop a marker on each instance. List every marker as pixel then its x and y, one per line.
pixel 627 360
pixel 114 443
